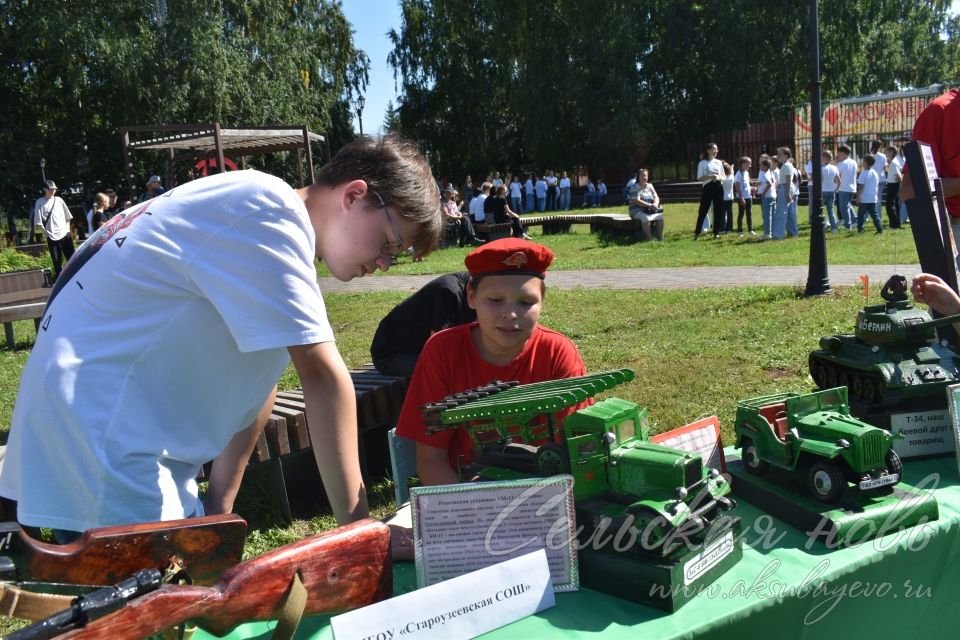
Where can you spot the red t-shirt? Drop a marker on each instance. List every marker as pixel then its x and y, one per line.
pixel 939 126
pixel 450 363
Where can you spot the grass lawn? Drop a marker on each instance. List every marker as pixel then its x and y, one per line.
pixel 583 250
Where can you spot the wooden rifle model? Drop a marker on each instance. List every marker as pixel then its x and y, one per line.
pixel 335 571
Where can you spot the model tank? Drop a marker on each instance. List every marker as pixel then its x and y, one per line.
pixel 893 355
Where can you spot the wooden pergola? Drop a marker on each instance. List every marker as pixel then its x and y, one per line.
pixel 209 143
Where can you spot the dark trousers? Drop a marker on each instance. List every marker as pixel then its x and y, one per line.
pixel 728 215
pixel 466 232
pixel 517 228
pixel 891 199
pixel 744 208
pixel 551 198
pixel 59 250
pixel 712 194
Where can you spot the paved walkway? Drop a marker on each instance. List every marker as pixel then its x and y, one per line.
pixel 654 278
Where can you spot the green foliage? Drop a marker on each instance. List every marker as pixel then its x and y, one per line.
pixel 491 83
pixel 12 260
pixel 74 73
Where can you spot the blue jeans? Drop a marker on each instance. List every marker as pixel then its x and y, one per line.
pixel 767 206
pixel 780 215
pixel 515 204
pixel 541 203
pixel 846 213
pixel 828 207
pixel 589 199
pixel 869 208
pixel 904 215
pixel 792 229
pixel 529 206
pixel 565 198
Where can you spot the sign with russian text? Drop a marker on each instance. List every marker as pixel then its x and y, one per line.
pixel 702 436
pixel 463 607
pixel 460 528
pixel 953 403
pixel 884 116
pixel 925 433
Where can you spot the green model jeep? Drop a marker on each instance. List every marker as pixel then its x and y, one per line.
pixel 815 432
pixel 618 473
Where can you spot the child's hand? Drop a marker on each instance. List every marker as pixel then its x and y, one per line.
pixel 930 290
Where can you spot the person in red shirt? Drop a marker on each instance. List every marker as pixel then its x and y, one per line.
pixel 506 288
pixel 939 126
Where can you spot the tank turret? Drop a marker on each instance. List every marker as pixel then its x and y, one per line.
pixel 893 353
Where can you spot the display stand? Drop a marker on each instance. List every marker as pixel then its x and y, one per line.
pixel 662 583
pixel 858 516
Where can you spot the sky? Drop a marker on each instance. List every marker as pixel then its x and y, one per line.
pixel 371 20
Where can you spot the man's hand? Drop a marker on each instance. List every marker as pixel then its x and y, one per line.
pixel 332 421
pixel 930 290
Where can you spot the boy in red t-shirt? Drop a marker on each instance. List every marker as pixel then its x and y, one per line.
pixel 506 289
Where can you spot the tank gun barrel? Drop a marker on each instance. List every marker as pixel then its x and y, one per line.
pixel 934 323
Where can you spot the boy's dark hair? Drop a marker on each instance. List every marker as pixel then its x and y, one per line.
pixel 844 149
pixel 892 149
pixel 395 169
pixel 869 160
pixel 742 160
pixel 785 151
pixel 765 163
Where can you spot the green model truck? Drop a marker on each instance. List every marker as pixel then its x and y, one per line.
pixel 618 473
pixel 815 433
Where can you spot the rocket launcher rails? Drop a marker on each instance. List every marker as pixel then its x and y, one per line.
pixel 346 568
pixel 516 406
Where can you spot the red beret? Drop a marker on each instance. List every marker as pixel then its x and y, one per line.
pixel 509 256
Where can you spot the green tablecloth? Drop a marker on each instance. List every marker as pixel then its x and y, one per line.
pixel 879 589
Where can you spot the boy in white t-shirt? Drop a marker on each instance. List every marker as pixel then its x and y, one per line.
pixel 868 185
pixel 164 337
pixel 830 178
pixel 847 189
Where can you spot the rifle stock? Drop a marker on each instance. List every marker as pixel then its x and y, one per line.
pixel 342 569
pixel 206 547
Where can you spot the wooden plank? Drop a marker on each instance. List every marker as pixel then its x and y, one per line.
pixel 261 452
pixel 296 424
pixel 277 435
pixel 22 312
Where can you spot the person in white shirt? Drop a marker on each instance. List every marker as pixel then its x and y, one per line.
pixel 601 192
pixel 744 195
pixel 551 181
pixel 766 192
pixel 497 180
pixel 644 208
pixel 808 172
pixel 867 189
pixel 847 190
pixel 163 339
pixel 792 229
pixel 785 195
pixel 590 195
pixel 892 196
pixel 564 192
pixel 51 214
pixel 541 189
pixel 528 191
pixel 516 202
pixel 476 205
pixel 710 173
pixel 727 183
pixel 830 178
pixel 880 166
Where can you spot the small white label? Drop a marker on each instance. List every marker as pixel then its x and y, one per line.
pixel 708 558
pixel 882 481
pixel 462 607
pixel 924 433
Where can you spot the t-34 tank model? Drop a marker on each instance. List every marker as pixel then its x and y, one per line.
pixel 618 473
pixel 893 355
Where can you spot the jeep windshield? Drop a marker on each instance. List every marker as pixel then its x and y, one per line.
pixel 820 401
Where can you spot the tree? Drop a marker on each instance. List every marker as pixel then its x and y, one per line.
pixel 73 73
pixel 391 120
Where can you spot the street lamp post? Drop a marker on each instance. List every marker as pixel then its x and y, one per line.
pixel 43 174
pixel 360 102
pixel 818 283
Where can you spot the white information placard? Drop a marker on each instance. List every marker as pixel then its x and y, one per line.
pixel 463 607
pixel 460 528
pixel 925 433
pixel 953 403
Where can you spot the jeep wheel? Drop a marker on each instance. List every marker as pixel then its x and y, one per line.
pixel 751 459
pixel 826 481
pixel 894 465
pixel 552 459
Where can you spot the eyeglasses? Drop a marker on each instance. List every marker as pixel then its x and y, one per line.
pixel 390 249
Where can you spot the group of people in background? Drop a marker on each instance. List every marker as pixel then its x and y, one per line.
pixel 856 191
pixel 538 193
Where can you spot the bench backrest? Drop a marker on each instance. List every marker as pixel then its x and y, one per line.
pixel 21 280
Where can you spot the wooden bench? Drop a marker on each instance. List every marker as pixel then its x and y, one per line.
pixel 284 453
pixel 23 296
pixel 35 250
pixel 493 231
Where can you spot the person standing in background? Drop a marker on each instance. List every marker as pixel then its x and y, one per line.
pixel 710 173
pixel 51 214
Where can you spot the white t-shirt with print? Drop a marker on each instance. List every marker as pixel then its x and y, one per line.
pixel 162 338
pixel 848 175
